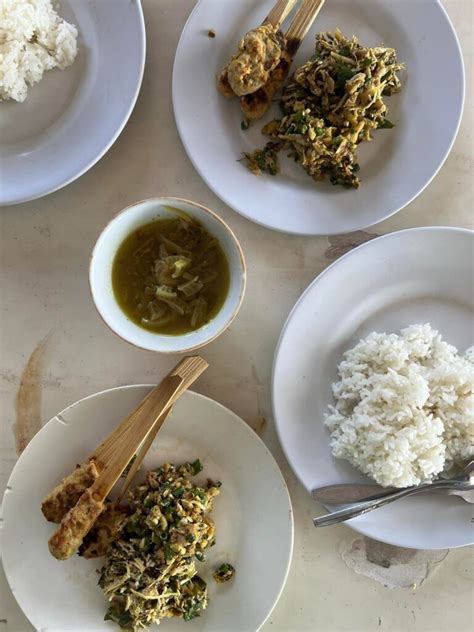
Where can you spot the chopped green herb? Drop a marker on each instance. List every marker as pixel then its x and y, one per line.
pixel 343 74
pixel 122 618
pixel 196 467
pixel 193 612
pixel 223 573
pixel 386 124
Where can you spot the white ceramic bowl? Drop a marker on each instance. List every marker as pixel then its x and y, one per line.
pixel 100 275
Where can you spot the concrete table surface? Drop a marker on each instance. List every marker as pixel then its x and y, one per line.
pixel 55 349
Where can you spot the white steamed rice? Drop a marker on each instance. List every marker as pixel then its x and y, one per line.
pixel 404 406
pixel 33 38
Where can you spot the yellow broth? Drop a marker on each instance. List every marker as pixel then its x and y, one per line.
pixel 159 264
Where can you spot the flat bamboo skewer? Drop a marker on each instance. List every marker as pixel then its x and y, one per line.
pixel 150 412
pixel 140 455
pixel 107 448
pixel 255 105
pixel 279 13
pixel 144 421
pixel 303 20
pixel 141 423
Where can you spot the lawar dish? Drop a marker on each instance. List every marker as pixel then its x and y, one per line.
pixel 392 169
pixel 198 433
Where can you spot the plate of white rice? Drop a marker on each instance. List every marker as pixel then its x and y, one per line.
pixel 374 375
pixel 61 105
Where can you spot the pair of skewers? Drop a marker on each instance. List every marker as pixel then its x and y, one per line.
pixel 256 104
pixel 80 498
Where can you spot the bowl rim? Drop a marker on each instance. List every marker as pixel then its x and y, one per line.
pixel 243 270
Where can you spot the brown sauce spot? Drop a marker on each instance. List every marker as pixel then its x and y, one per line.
pixel 28 398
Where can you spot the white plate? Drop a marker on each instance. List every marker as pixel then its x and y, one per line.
pixel 413 276
pixel 395 167
pixel 252 514
pixel 73 116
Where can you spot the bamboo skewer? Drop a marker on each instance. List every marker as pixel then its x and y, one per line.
pixel 188 379
pixel 107 448
pixel 140 455
pixel 149 412
pixel 279 13
pixel 141 423
pixel 136 432
pixel 303 20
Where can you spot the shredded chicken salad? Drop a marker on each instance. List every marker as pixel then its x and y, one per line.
pixel 330 105
pixel 150 569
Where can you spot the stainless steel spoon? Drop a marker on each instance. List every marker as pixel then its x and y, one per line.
pixel 462 485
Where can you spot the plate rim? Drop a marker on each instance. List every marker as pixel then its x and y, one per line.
pixel 278 426
pixel 246 428
pixel 67 181
pixel 241 210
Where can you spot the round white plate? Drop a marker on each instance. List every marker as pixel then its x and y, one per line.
pixel 395 167
pixel 413 276
pixel 252 514
pixel 73 116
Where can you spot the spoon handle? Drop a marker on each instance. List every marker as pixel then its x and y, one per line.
pixel 362 508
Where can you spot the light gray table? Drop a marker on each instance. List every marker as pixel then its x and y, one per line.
pixel 44 250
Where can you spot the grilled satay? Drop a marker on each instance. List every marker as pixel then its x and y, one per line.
pixel 65 495
pixel 75 525
pixel 255 105
pixel 259 54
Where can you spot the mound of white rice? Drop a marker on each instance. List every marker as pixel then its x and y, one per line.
pixel 404 406
pixel 33 38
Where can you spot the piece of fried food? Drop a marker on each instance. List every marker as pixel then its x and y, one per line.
pixel 65 495
pixel 104 531
pixel 75 525
pixel 259 53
